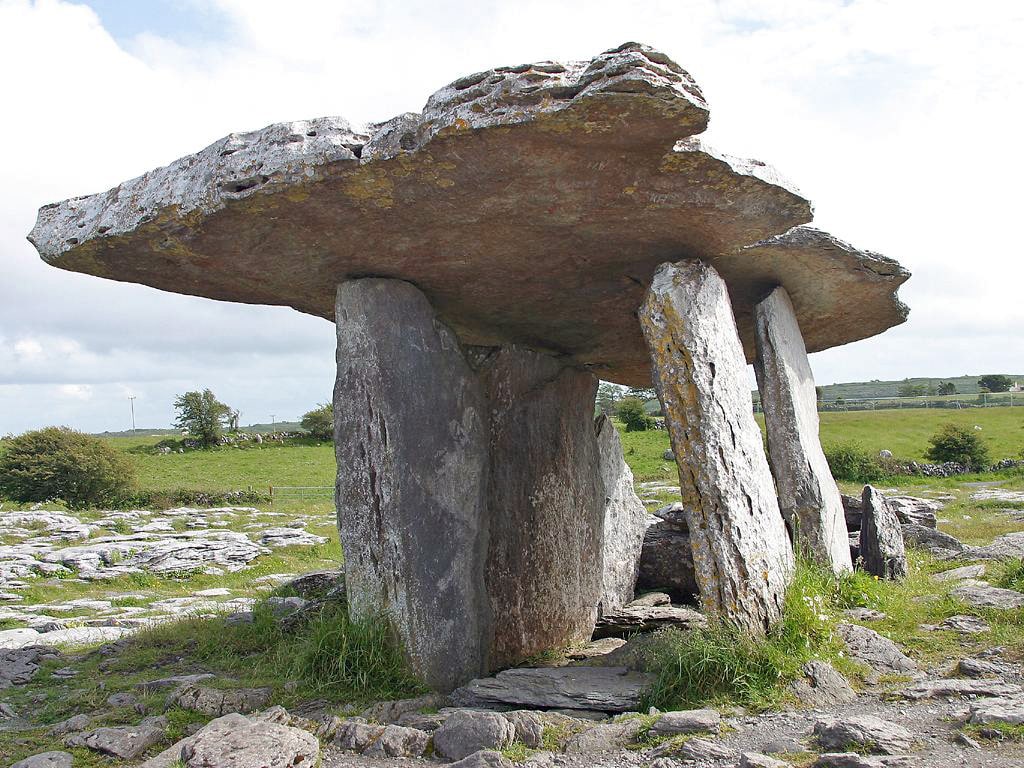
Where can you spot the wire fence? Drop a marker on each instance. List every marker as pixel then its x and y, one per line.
pixel 301 492
pixel 955 402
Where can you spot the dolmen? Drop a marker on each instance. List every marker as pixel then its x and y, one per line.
pixel 486 261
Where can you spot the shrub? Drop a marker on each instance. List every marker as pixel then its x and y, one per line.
pixel 630 411
pixel 203 415
pixel 320 422
pixel 60 463
pixel 854 463
pixel 959 444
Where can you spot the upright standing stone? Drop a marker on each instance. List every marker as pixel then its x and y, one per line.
pixel 881 537
pixel 410 428
pixel 741 551
pixel 545 502
pixel 808 494
pixel 625 520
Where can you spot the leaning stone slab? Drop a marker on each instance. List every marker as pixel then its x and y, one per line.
pixel 881 538
pixel 865 732
pixel 808 495
pixel 625 520
pixel 411 444
pixel 606 689
pixel 735 526
pixel 982 595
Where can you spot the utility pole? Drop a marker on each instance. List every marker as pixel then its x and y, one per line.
pixel 272 421
pixel 131 399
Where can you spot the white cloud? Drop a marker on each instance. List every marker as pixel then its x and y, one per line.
pixel 900 120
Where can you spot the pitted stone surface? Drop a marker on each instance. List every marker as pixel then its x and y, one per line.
pixel 881 538
pixel 523 169
pixel 605 689
pixel 808 495
pixel 742 556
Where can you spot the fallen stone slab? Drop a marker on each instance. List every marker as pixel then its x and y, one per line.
pixel 1005 547
pixel 701 751
pixel 944 688
pixel 236 740
pixel 931 540
pixel 632 619
pixel 1008 710
pixel 854 760
pixel 879 653
pixel 687 721
pixel 125 742
pixel 605 689
pixel 175 681
pixel 966 625
pixel 963 572
pixel 975 668
pixel 74 636
pixel 216 702
pixel 982 595
pixel 467 731
pixel 916 511
pixel 605 737
pixel 289 537
pixel 73 724
pixel 865 732
pixel 46 760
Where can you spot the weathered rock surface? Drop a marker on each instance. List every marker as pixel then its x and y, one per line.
pixel 236 740
pixel 865 732
pixel 1008 710
pixel 727 490
pixel 125 742
pixel 632 618
pixel 855 760
pixel 808 495
pixel 545 503
pixel 881 539
pixel 982 595
pixel 472 152
pixel 687 721
pixel 1009 545
pixel 966 625
pixel 605 737
pixel 485 758
pixel 19 665
pixel 411 443
pixel 216 702
pixel 961 573
pixel 46 760
pixel 822 686
pixel 467 731
pixel 876 651
pixel 625 520
pixel 932 540
pixel 666 561
pixel 915 511
pixel 936 689
pixel 606 689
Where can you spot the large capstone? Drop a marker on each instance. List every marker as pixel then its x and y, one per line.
pixel 545 502
pixel 808 495
pixel 881 537
pixel 625 520
pixel 741 551
pixel 531 203
pixel 410 427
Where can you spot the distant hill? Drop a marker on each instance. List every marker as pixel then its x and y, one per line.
pixel 965 385
pixel 277 426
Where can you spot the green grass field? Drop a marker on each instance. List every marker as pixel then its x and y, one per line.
pixel 904 432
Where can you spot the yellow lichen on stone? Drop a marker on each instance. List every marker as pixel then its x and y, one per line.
pixel 370 185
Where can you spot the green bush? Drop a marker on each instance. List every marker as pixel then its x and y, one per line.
pixel 60 463
pixel 202 415
pixel 854 463
pixel 955 443
pixel 630 411
pixel 320 422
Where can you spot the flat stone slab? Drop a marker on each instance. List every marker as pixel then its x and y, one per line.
pixel 520 200
pixel 982 595
pixel 606 689
pixel 632 618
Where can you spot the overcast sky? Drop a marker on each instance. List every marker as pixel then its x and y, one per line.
pixel 901 121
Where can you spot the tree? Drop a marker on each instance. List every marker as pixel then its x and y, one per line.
pixel 320 422
pixel 947 388
pixel 608 395
pixel 995 382
pixel 955 443
pixel 202 415
pixel 60 463
pixel 644 393
pixel 908 389
pixel 630 411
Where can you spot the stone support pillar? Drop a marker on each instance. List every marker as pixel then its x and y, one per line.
pixel 410 429
pixel 808 495
pixel 469 494
pixel 741 551
pixel 545 501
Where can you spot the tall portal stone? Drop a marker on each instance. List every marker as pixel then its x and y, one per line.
pixel 625 520
pixel 545 503
pixel 808 495
pixel 410 428
pixel 741 551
